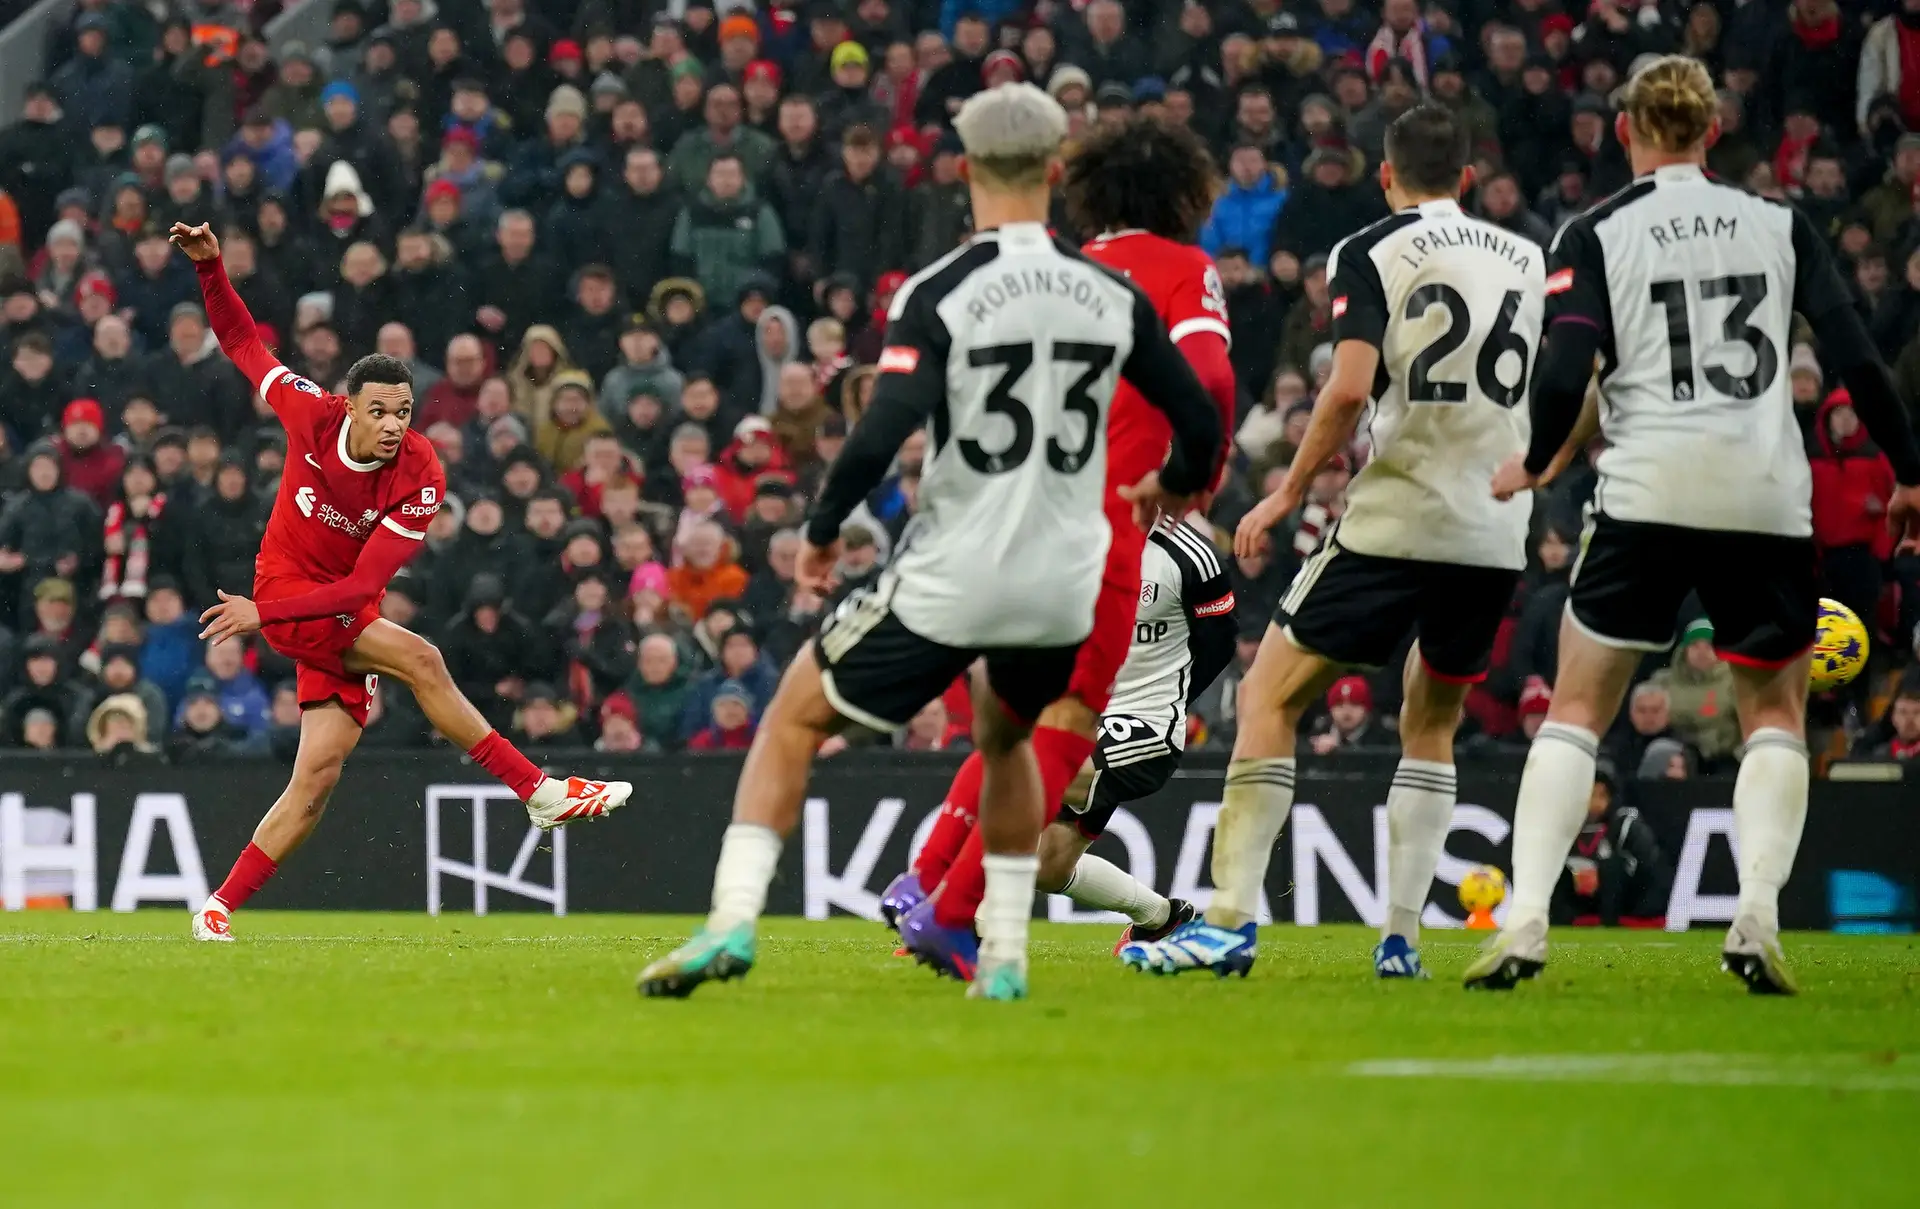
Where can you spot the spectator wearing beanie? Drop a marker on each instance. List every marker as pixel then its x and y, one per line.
pixel 1699 690
pixel 1350 721
pixel 731 723
pixel 466 180
pixel 90 464
pixel 849 102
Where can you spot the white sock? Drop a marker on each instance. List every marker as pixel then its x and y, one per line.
pixel 1769 811
pixel 1419 811
pixel 747 857
pixel 1552 807
pixel 1101 884
pixel 1259 795
pixel 1006 909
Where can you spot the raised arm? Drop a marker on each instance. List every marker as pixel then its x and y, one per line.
pixel 234 327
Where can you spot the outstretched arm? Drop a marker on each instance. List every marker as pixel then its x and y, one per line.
pixel 380 559
pixel 233 325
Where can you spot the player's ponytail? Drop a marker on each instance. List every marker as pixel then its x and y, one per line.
pixel 1671 103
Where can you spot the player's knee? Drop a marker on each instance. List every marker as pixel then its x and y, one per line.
pixel 316 782
pixel 425 665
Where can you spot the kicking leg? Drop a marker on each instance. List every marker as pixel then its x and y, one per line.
pixel 766 808
pixel 386 649
pixel 327 734
pixel 1769 813
pixel 1552 803
pixel 1419 811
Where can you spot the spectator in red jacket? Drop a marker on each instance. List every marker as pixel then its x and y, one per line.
pixel 1852 483
pixel 91 466
pixel 751 454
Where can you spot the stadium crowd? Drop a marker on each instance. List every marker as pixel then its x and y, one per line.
pixel 638 254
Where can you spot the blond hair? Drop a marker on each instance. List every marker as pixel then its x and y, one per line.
pixel 1671 103
pixel 1011 133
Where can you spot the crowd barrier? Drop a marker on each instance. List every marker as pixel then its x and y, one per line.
pixel 429 831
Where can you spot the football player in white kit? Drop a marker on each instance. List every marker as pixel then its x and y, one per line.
pixel 1183 637
pixel 1435 317
pixel 1685 288
pixel 1007 350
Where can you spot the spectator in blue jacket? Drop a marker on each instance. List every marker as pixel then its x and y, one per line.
pixel 992 11
pixel 171 649
pixel 1243 217
pixel 741 664
pixel 268 142
pixel 243 699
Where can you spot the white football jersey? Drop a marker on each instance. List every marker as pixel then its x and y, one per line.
pixel 1454 305
pixel 1181 579
pixel 1012 344
pixel 1692 284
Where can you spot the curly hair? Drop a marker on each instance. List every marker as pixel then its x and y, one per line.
pixel 1141 175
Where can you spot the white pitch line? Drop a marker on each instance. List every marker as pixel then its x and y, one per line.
pixel 1722 1070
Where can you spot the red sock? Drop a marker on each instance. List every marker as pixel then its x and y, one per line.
pixel 249 873
pixel 1060 754
pixel 958 816
pixel 504 761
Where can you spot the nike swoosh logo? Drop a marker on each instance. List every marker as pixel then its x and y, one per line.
pixel 313 462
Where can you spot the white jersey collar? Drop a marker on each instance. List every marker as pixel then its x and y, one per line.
pixel 1678 172
pixel 361 467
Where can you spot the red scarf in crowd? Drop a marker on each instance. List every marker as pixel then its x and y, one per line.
pixel 126 570
pixel 1412 47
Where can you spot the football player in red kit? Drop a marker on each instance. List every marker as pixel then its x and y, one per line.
pixel 355 499
pixel 1146 188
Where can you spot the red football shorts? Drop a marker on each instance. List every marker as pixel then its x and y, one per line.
pixel 1114 611
pixel 317 646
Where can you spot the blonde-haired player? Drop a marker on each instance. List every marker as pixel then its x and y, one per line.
pixel 1685 289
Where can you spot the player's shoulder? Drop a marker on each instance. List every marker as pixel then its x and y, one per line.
pixel 281 376
pixel 1604 211
pixel 1190 550
pixel 1362 244
pixel 418 462
pixel 933 283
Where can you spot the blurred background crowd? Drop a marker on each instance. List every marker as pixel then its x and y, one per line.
pixel 638 254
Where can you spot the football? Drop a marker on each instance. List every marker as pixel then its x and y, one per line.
pixel 1839 647
pixel 1483 889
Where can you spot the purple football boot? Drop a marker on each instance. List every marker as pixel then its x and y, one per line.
pixel 902 895
pixel 952 952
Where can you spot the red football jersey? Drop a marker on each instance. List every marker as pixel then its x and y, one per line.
pixel 328 504
pixel 1184 287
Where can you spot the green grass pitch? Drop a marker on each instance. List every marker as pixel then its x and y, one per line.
pixel 344 1060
